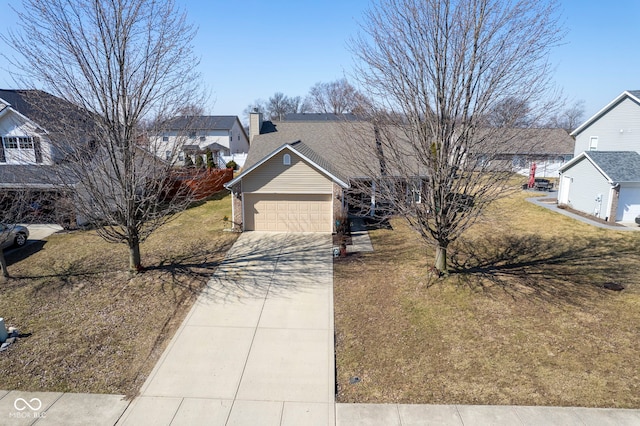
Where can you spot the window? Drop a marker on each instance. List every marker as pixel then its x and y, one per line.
pixel 181 156
pixel 19 142
pixel 25 143
pixel 286 160
pixel 192 135
pixel 167 155
pixel 165 138
pixel 593 143
pixel 11 143
pixel 203 138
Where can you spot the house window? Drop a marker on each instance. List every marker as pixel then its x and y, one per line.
pixel 203 138
pixel 20 142
pixel 181 156
pixel 165 138
pixel 25 143
pixel 167 155
pixel 11 143
pixel 593 143
pixel 286 160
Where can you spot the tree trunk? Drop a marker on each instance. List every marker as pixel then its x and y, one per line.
pixel 135 264
pixel 4 274
pixel 441 259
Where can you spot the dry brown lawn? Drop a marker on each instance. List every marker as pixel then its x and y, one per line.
pixel 522 318
pixel 88 326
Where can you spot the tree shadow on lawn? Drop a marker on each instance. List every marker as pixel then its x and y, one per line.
pixel 559 269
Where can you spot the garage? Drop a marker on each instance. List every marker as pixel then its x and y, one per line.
pixel 288 212
pixel 628 203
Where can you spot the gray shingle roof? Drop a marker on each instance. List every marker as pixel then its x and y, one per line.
pixel 533 141
pixel 635 93
pixel 33 176
pixel 202 122
pixel 620 166
pixel 328 140
pixel 52 113
pixel 313 116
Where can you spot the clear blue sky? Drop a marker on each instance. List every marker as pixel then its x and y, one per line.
pixel 252 49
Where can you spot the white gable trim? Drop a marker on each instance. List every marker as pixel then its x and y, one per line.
pixel 238 178
pixel 604 110
pixel 575 160
pixel 10 109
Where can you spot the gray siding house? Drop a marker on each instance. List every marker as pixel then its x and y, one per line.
pixel 616 127
pixel 605 184
pixel 603 179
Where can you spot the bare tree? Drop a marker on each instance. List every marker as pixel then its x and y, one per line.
pixel 434 69
pixel 569 118
pixel 336 97
pixel 125 62
pixel 278 106
pixel 510 112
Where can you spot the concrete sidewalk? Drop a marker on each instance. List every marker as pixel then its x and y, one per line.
pixel 480 415
pixel 257 347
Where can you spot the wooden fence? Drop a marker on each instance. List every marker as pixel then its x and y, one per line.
pixel 199 183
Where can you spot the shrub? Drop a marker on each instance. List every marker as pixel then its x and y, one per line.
pixel 199 161
pixel 188 162
pixel 210 163
pixel 232 165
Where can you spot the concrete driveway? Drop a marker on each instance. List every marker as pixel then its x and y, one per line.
pixel 258 343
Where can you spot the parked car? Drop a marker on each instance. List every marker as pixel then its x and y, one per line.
pixel 13 235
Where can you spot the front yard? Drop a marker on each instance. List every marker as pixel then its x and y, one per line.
pixel 522 319
pixel 90 327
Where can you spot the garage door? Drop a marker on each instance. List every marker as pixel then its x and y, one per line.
pixel 288 212
pixel 628 204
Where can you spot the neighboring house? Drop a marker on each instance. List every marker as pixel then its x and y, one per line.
pixel 37 131
pixel 223 135
pixel 616 127
pixel 548 148
pixel 605 184
pixel 604 179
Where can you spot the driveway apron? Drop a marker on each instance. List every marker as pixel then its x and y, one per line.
pixel 257 344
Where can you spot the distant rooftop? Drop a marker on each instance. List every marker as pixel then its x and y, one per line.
pixel 313 116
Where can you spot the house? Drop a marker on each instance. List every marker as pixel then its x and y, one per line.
pixel 548 148
pixel 616 127
pixel 306 171
pixel 37 132
pixel 603 179
pixel 37 128
pixel 191 136
pixel 293 179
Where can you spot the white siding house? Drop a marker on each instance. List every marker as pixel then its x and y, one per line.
pixel 223 135
pixel 22 142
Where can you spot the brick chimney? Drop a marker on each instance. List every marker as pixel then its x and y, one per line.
pixel 255 123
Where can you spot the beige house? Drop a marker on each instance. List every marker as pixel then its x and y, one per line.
pixel 286 184
pixel 302 174
pixel 289 190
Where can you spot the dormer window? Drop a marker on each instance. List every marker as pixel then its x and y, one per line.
pixel 286 160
